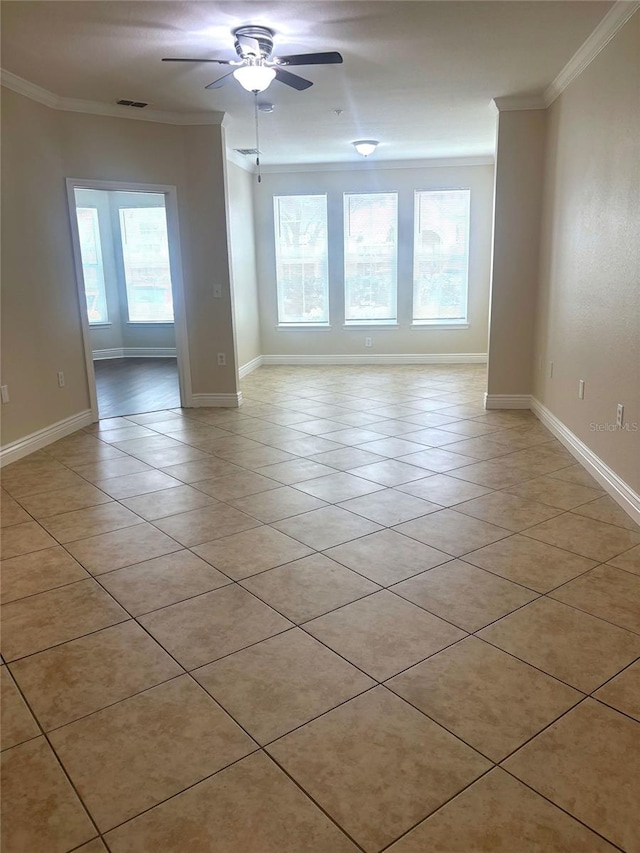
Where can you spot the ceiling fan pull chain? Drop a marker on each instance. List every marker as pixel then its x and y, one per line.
pixel 255 109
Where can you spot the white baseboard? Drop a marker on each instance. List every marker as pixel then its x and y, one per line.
pixel 206 400
pixel 415 358
pixel 41 438
pixel 250 366
pixel 134 352
pixel 507 401
pixel 622 493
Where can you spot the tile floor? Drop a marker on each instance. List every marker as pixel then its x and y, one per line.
pixel 359 613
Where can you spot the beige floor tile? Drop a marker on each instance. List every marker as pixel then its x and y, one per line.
pixel 38 572
pixel 353 435
pixel 606 592
pixel 295 471
pixel 277 504
pixel 129 757
pixel 492 474
pixel 259 457
pixel 64 500
pixel 83 523
pixel 95 846
pixel 480 447
pixel 56 616
pixel 392 446
pixel 204 469
pixel 491 700
pixel 130 485
pixel 452 532
pixel 377 766
pixel 588 763
pixel 236 485
pixel 338 487
pixel 576 474
pixel 281 683
pixel 213 625
pixel 389 507
pixel 11 512
pixel 324 528
pixel 24 539
pixel 387 557
pixel 534 564
pixel 251 807
pixel 628 560
pixel 205 524
pixel 166 457
pixel 105 468
pixel 491 814
pixel 18 724
pixel 585 536
pixel 383 634
pixel 607 510
pixel 162 581
pixel 309 587
pixel 443 489
pixel 623 691
pixel 168 502
pixel 464 595
pixel 573 646
pixel 22 483
pixel 391 472
pixel 41 811
pixel 124 433
pixel 252 551
pixel 121 548
pixel 82 676
pixel 507 510
pixel 555 492
pixel 347 458
pixel 438 460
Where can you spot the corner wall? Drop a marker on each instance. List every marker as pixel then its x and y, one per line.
pixel 588 312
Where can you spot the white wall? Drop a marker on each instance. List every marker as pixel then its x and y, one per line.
pixel 244 274
pixel 588 316
pixel 405 181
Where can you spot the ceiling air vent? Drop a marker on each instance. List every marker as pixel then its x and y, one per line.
pixel 139 104
pixel 247 151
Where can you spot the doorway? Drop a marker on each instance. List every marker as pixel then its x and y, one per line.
pixel 127 258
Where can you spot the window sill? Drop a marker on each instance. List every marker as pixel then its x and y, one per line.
pixel 302 327
pixel 432 327
pixel 149 323
pixel 99 325
pixel 370 325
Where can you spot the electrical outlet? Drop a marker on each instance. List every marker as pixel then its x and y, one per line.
pixel 581 389
pixel 4 393
pixel 217 291
pixel 550 370
pixel 222 359
pixel 368 342
pixel 619 415
pixel 60 379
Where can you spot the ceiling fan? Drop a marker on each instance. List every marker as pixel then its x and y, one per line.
pixel 257 68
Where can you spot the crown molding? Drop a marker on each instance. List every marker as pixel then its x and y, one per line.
pixel 612 22
pixel 74 105
pixel 519 102
pixel 377 165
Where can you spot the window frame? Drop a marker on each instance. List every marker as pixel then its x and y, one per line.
pixel 102 284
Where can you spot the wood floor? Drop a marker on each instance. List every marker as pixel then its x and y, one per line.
pixel 131 386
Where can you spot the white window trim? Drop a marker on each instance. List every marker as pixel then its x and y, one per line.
pixel 366 324
pixel 298 327
pixel 439 325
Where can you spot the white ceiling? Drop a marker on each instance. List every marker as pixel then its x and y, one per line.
pixel 419 76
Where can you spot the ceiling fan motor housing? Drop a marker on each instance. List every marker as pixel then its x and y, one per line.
pixel 248 40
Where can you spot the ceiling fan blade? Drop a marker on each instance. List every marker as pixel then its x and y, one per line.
pixel 181 59
pixel 221 81
pixel 330 58
pixel 292 80
pixel 250 46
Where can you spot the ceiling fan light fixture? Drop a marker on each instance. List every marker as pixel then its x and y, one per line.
pixel 254 78
pixel 365 146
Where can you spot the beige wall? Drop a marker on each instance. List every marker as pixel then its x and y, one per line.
pixel 516 240
pixel 243 263
pixel 342 341
pixel 41 320
pixel 588 318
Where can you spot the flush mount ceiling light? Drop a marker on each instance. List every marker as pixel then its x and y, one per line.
pixel 365 146
pixel 254 78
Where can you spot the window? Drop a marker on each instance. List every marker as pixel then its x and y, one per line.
pixel 145 252
pixel 370 257
pixel 92 270
pixel 441 256
pixel 302 259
